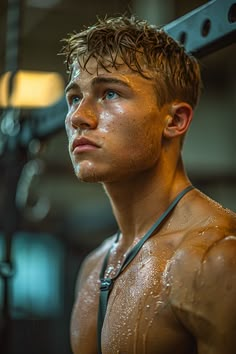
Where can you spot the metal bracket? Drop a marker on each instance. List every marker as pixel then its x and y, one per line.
pixel 206 29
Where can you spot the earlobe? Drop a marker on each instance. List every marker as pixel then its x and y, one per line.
pixel 178 120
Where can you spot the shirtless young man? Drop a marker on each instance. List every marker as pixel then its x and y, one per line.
pixel 131 95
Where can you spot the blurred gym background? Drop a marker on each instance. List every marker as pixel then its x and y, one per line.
pixel 48 220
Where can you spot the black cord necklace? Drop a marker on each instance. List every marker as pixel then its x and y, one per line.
pixel 107 283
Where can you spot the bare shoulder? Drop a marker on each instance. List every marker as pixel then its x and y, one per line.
pixel 92 262
pixel 203 279
pixel 210 228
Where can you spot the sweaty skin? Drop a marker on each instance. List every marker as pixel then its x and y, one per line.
pixel 178 295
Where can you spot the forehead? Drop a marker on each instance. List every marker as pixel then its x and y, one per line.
pixel 92 70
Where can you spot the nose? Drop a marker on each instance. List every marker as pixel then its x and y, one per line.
pixel 84 117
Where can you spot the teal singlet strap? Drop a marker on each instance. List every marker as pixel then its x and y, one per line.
pixel 107 283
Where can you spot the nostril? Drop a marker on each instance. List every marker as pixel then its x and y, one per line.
pixel 80 125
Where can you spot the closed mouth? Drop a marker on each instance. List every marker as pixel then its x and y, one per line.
pixel 82 144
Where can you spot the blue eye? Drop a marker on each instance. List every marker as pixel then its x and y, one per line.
pixel 110 95
pixel 75 100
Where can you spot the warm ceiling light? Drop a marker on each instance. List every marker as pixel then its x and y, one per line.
pixel 31 89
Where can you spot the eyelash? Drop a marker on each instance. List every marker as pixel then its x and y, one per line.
pixel 110 91
pixel 71 99
pixel 104 97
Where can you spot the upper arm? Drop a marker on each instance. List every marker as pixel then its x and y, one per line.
pixel 209 299
pixel 218 298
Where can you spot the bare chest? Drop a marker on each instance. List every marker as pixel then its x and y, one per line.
pixel 138 317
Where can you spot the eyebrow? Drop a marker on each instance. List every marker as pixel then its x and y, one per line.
pixel 71 86
pixel 108 80
pixel 97 81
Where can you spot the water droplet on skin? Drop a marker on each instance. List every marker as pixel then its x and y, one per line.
pixel 168 225
pixel 230 238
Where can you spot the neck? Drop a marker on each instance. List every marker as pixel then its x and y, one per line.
pixel 138 202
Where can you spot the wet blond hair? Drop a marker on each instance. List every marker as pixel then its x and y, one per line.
pixel 145 49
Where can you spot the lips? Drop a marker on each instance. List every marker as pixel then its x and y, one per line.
pixel 83 144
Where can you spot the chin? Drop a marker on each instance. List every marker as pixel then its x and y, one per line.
pixel 87 173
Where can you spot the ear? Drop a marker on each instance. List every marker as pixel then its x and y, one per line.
pixel 178 120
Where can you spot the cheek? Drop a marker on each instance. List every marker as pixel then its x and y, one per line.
pixel 107 123
pixel 135 138
pixel 146 141
pixel 115 129
pixel 142 132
